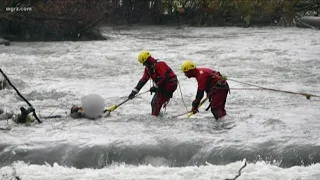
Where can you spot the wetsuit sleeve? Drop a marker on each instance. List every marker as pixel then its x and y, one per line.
pixel 199 96
pixel 144 79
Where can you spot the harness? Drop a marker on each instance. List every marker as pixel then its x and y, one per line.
pixel 152 71
pixel 219 85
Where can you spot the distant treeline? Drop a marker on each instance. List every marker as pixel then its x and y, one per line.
pixel 211 12
pixel 74 19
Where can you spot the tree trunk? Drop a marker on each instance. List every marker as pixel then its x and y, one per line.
pixel 142 11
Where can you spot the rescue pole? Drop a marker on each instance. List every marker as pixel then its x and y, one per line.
pixel 33 110
pixel 201 103
pixel 191 113
pixel 114 107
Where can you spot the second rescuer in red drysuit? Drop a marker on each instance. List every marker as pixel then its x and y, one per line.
pixel 164 81
pixel 211 82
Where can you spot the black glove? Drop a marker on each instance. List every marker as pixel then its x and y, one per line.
pixel 195 105
pixel 132 94
pixel 24 111
pixel 153 89
pixel 209 97
pixel 194 110
pixel 22 118
pixel 31 109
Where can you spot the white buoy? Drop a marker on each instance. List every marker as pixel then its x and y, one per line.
pixel 93 105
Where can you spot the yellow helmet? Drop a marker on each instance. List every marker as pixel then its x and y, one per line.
pixel 187 65
pixel 143 56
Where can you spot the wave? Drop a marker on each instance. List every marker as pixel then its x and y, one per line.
pixel 164 154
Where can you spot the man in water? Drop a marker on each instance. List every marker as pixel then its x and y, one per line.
pixel 92 106
pixel 77 112
pixel 24 117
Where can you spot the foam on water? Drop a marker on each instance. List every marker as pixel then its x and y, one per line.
pixel 276 132
pixel 259 170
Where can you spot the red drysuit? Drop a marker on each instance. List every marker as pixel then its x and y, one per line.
pixel 164 80
pixel 217 89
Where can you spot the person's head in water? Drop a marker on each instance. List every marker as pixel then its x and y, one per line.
pixel 75 108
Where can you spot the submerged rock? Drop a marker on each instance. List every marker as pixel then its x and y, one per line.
pixel 308 22
pixel 4 42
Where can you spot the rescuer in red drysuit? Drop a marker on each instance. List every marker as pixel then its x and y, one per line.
pixel 164 81
pixel 211 82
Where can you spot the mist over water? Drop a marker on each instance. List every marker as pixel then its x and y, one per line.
pixel 276 133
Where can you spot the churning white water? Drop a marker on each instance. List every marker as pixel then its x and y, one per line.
pixel 276 133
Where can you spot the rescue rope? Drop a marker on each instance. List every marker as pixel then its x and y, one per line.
pixel 308 96
pixel 191 113
pixel 184 103
pixel 201 103
pixel 60 105
pixel 246 88
pixel 245 164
